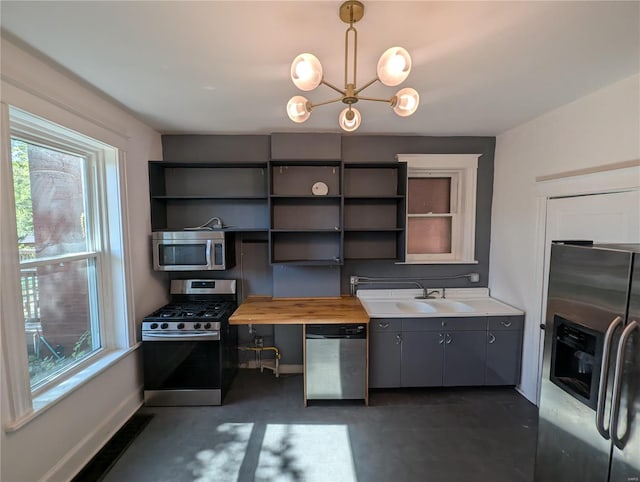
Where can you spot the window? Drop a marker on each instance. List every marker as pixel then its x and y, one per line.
pixel 69 235
pixel 441 200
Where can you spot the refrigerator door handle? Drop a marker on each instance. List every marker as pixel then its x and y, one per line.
pixel 604 378
pixel 617 384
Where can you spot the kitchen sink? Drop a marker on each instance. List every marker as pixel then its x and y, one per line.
pixel 448 306
pixel 416 307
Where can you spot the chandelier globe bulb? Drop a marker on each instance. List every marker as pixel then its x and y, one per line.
pixel 394 66
pixel 298 109
pixel 306 72
pixel 349 119
pixel 405 102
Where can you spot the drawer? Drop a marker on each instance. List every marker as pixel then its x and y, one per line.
pixel 383 324
pixel 454 323
pixel 497 323
pixel 423 324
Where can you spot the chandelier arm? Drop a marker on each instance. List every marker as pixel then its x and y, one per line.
pixel 330 85
pixel 371 82
pixel 388 101
pixel 337 99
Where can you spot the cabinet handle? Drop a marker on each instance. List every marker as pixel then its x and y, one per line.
pixel 441 340
pixel 449 339
pixel 506 323
pixel 398 339
pixel 492 338
pixel 383 324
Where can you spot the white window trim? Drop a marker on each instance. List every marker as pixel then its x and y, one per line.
pixel 465 166
pixel 117 330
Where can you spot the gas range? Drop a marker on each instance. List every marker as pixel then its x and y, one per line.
pixel 189 316
pixel 196 306
pixel 189 349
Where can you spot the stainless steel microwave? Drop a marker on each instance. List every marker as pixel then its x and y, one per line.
pixel 200 250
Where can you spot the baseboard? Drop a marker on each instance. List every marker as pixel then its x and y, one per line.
pixel 89 446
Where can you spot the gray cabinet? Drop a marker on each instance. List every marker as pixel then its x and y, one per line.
pixel 504 350
pixel 385 340
pixel 430 352
pixel 305 227
pixel 422 360
pixel 188 194
pixel 464 358
pixel 374 210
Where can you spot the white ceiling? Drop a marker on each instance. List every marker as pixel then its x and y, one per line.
pixel 223 67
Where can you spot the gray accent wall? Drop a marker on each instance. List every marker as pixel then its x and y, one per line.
pixel 260 278
pixel 371 148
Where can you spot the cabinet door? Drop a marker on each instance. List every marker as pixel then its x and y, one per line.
pixel 384 359
pixel 503 357
pixel 464 358
pixel 422 358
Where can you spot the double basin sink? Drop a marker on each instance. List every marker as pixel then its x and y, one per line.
pixel 410 304
pixel 414 307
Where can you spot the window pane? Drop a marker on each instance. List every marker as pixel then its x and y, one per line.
pixel 429 195
pixel 50 201
pixel 60 321
pixel 429 235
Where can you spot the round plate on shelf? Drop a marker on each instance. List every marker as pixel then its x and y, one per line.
pixel 319 189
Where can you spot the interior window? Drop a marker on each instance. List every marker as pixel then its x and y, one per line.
pixel 441 192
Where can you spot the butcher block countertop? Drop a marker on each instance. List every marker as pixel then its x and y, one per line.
pixel 264 310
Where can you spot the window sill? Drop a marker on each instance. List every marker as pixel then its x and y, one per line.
pixel 49 398
pixel 439 261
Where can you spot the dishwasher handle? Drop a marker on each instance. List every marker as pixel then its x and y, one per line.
pixel 333 332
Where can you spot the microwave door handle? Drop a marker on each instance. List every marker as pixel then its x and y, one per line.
pixel 617 384
pixel 604 378
pixel 208 252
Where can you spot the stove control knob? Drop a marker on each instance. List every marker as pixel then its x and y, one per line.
pixel 180 326
pixel 196 326
pixel 154 326
pixel 164 326
pixel 207 326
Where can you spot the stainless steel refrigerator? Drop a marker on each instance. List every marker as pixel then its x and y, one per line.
pixel 589 424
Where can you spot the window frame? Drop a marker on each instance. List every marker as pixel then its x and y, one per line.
pixel 105 199
pixel 462 170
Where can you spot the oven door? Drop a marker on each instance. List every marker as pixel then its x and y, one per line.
pixel 182 369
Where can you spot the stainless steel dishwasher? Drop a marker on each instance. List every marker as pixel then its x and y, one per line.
pixel 336 361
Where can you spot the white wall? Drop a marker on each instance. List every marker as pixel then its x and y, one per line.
pixel 601 128
pixel 58 442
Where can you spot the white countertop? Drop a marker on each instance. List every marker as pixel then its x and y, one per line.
pixel 457 302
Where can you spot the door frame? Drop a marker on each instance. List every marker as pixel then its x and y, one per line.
pixel 612 178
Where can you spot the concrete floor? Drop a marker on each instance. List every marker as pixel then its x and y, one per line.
pixel 263 432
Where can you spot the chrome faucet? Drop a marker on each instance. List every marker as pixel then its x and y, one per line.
pixel 427 295
pixel 354 281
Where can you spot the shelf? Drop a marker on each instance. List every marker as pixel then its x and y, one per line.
pixel 305 230
pixel 373 230
pixel 212 198
pixel 305 196
pixel 395 197
pixel 303 162
pixel 187 165
pixel 307 262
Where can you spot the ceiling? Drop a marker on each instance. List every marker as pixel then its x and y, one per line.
pixel 214 67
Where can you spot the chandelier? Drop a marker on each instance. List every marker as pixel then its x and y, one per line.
pixel 393 68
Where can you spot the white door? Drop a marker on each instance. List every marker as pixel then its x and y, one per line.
pixel 603 218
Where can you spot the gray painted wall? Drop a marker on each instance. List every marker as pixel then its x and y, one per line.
pixel 252 267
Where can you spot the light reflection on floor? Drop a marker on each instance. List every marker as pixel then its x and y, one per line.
pixel 222 463
pixel 288 453
pixel 313 453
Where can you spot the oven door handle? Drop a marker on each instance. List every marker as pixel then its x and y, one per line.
pixel 604 378
pixel 209 336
